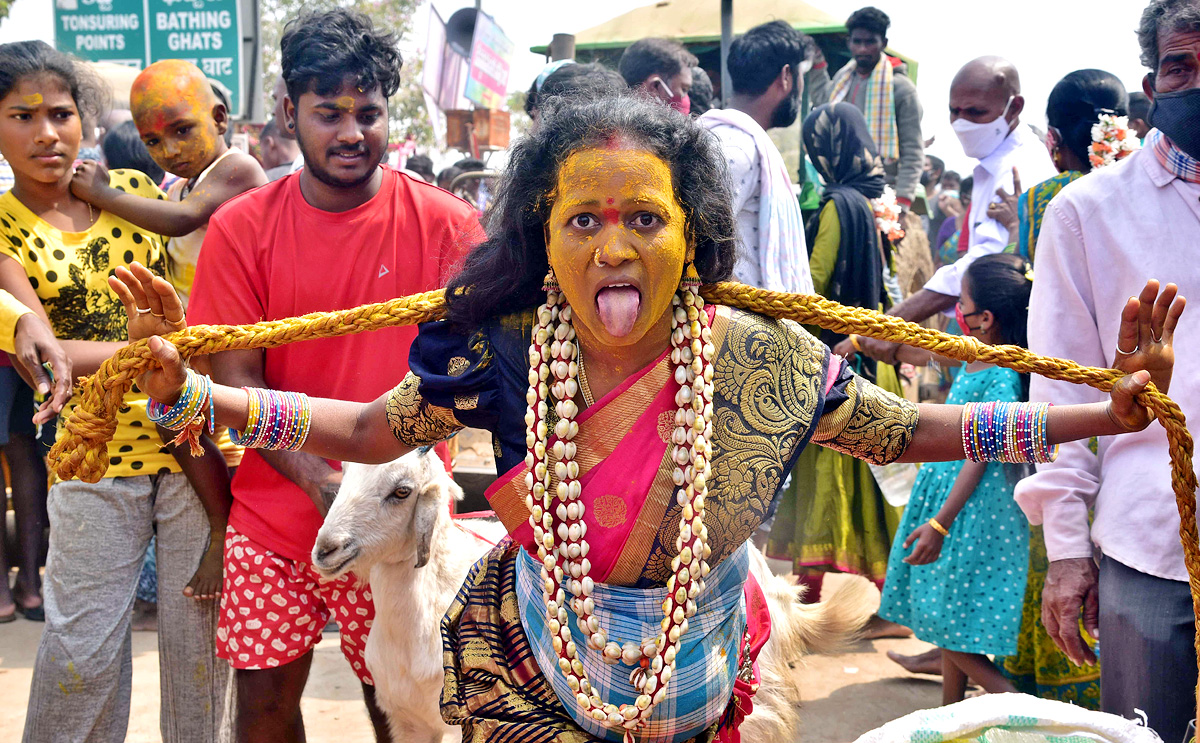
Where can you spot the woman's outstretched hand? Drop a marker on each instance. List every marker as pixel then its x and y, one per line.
pixel 1144 351
pixel 150 301
pixel 154 309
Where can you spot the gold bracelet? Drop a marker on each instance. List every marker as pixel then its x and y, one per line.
pixel 939 528
pixel 854 342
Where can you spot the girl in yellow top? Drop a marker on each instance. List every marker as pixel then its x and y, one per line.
pixel 183 126
pixel 56 253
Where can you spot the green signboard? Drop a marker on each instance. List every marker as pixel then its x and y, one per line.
pixel 207 33
pixel 112 31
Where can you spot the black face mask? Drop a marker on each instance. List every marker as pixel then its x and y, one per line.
pixel 1177 115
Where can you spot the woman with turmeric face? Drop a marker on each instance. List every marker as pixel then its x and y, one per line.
pixel 641 435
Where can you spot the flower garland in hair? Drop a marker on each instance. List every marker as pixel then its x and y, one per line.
pixel 556 511
pixel 887 215
pixel 1112 139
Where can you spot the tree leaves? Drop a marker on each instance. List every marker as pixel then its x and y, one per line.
pixel 406 109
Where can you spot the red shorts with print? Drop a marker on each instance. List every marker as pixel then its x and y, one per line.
pixel 273 609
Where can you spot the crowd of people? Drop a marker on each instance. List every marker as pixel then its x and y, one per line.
pixel 684 435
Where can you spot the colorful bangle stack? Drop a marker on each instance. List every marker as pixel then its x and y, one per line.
pixel 187 414
pixel 195 397
pixel 1011 432
pixel 276 420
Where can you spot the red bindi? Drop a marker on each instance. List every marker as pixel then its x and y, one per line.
pixel 610 201
pixel 612 216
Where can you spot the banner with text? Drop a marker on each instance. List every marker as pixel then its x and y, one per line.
pixel 207 33
pixel 491 55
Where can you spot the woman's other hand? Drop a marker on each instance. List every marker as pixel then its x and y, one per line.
pixel 35 346
pixel 154 309
pixel 1144 351
pixel 150 301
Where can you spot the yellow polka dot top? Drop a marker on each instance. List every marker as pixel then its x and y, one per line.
pixel 69 271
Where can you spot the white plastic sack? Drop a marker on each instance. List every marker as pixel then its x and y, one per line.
pixel 1011 718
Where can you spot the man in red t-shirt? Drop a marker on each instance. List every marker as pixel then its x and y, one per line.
pixel 343 231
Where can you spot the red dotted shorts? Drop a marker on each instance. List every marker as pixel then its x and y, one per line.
pixel 273 609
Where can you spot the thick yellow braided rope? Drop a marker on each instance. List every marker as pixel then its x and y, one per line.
pixel 83 450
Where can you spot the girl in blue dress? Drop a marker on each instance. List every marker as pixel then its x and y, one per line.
pixel 958 578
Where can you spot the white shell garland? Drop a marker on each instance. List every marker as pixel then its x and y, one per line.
pixel 556 514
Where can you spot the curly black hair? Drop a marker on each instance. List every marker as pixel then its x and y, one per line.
pixel 320 50
pixel 22 59
pixel 869 19
pixel 505 273
pixel 592 80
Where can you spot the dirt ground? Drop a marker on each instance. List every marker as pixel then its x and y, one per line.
pixel 845 695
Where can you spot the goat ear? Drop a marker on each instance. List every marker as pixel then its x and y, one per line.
pixel 422 549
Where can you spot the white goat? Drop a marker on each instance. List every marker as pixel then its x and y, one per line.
pixel 797 630
pixel 391 524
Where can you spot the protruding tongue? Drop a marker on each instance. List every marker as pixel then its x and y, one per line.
pixel 618 308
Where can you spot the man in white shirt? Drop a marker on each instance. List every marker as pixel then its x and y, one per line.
pixel 1102 237
pixel 764 65
pixel 985 111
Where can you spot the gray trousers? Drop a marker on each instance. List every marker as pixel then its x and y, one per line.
pixel 1147 659
pixel 82 679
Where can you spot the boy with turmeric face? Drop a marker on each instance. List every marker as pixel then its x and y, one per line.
pixel 182 124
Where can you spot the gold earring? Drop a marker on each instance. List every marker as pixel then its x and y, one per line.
pixel 550 283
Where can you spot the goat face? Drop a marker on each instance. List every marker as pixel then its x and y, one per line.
pixel 384 513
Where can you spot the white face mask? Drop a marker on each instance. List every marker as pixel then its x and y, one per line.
pixel 981 140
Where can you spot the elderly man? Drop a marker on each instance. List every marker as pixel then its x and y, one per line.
pixel 764 66
pixel 1102 238
pixel 985 111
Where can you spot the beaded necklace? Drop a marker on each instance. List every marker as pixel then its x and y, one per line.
pixel 556 513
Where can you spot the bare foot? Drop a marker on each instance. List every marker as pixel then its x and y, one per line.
pixel 929 662
pixel 206 583
pixel 145 616
pixel 877 628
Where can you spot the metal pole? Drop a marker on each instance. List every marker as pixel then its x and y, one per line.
pixel 726 40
